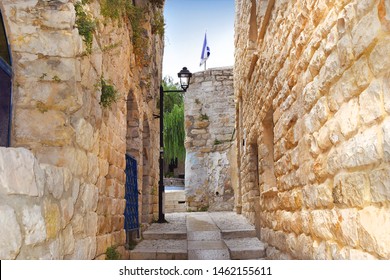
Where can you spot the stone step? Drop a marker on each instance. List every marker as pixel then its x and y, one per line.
pixel 207 250
pixel 246 248
pixel 238 233
pixel 158 235
pixel 160 250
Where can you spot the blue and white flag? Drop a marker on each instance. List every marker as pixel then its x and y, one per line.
pixel 205 51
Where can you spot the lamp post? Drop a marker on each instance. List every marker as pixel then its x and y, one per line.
pixel 185 77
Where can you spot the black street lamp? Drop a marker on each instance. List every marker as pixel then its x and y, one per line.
pixel 185 77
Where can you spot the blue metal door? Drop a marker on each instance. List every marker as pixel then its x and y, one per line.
pixel 131 195
pixel 5 87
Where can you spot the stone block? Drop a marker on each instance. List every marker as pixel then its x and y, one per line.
pixel 93 168
pixel 348 226
pixel 386 139
pixel 363 149
pixel 54 180
pixel 74 159
pixel 52 219
pixel 365 32
pixel 85 249
pixel 323 223
pixel 379 59
pixel 89 198
pixel 67 211
pixel 10 234
pixel 362 73
pixel 84 134
pixel 60 43
pixel 351 189
pixel 371 104
pixel 348 118
pixel 58 19
pixel 42 125
pixel 380 184
pixel 67 241
pixel 63 96
pixel 20 173
pixel 374 230
pixel 34 225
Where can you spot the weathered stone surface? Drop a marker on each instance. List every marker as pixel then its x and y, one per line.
pixel 380 184
pixel 352 189
pixel 348 117
pixel 20 173
pixel 43 125
pixel 74 159
pixel 374 230
pixel 370 101
pixel 57 115
pixel 365 32
pixel 363 149
pixel 52 219
pixel 85 249
pixel 379 57
pixel 209 132
pixel 10 233
pixel 54 180
pixel 67 241
pixel 34 225
pixel 321 72
pixel 67 211
pixel 348 226
pixel 89 198
pixel 84 134
pixel 386 139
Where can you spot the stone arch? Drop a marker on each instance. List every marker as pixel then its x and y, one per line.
pixel 253 22
pixel 5 86
pixel 147 184
pixel 240 146
pixel 133 135
pixel 268 174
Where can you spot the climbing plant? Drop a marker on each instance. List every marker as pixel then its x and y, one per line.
pixel 119 10
pixel 109 93
pixel 85 24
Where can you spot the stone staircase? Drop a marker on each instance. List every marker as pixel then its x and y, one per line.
pixel 200 236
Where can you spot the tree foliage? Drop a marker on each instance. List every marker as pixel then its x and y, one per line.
pixel 174 134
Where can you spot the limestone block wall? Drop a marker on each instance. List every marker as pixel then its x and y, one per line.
pixel 209 126
pixel 312 90
pixel 73 147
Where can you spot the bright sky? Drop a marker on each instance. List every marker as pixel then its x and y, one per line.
pixel 186 23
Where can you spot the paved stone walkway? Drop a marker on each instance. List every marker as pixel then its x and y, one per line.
pixel 200 236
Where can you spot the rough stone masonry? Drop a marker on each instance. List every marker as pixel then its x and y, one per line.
pixel 209 127
pixel 62 180
pixel 313 102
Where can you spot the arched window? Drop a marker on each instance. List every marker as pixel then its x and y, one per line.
pixel 5 87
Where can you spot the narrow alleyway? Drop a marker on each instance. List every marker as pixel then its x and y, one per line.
pixel 200 236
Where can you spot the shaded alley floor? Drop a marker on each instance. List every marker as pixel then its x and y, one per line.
pixel 200 236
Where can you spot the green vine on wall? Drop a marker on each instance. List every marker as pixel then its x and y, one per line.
pixel 109 93
pixel 122 9
pixel 85 24
pixel 158 24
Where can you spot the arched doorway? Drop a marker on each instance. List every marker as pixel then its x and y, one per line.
pixel 147 195
pixel 5 87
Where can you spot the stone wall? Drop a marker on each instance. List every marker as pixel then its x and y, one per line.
pixel 209 126
pixel 73 147
pixel 312 90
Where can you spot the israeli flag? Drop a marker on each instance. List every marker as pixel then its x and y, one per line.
pixel 205 51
